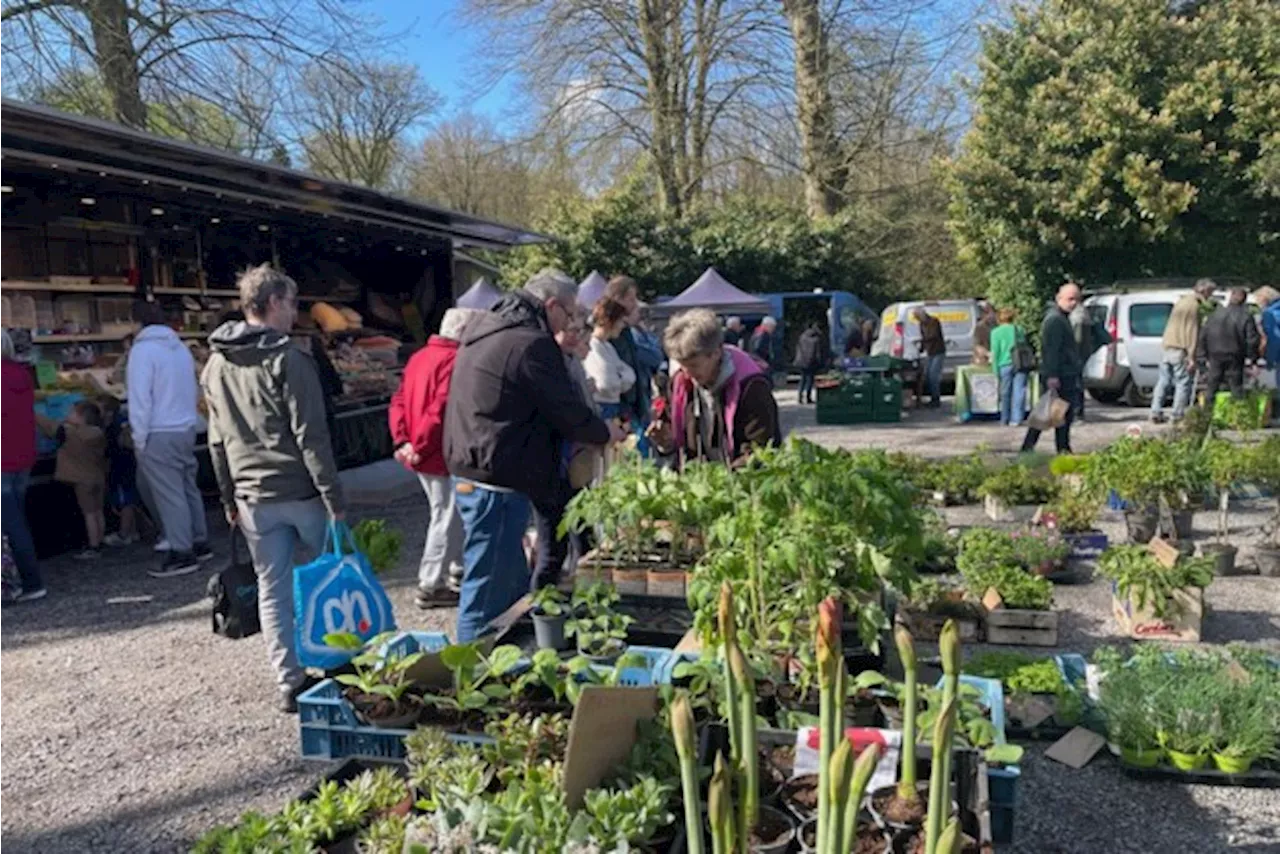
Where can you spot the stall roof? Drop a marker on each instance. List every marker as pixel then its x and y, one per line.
pixel 591 289
pixel 713 291
pixel 482 295
pixel 50 138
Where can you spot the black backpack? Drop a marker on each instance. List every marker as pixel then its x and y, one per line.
pixel 234 591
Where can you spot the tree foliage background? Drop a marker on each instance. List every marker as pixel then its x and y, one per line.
pixel 1116 139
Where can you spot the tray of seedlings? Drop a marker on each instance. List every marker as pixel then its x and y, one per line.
pixel 1206 716
pixel 1044 696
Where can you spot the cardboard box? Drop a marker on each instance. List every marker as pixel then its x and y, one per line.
pixel 1181 624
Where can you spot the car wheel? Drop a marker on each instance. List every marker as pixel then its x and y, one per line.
pixel 1103 395
pixel 1133 395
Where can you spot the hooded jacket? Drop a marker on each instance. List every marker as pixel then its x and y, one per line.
pixel 512 403
pixel 416 414
pixel 161 382
pixel 809 351
pixel 268 439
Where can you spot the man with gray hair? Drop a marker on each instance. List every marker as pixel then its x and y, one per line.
pixel 762 344
pixel 1178 361
pixel 512 405
pixel 269 445
pixel 733 331
pixel 416 418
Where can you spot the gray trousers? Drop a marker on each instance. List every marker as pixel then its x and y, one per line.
pixel 168 462
pixel 443 550
pixel 274 530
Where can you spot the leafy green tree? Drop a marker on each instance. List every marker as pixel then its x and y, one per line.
pixel 1118 138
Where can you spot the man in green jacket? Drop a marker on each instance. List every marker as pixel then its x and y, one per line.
pixel 269 444
pixel 1060 366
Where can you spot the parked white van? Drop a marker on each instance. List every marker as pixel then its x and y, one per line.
pixel 900 333
pixel 1134 315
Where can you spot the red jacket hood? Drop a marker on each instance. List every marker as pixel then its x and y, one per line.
pixel 416 414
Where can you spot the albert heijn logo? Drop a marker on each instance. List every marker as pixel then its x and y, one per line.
pixel 337 594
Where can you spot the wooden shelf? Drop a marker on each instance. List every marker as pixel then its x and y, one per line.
pixel 67 289
pixel 178 292
pixel 223 292
pixel 78 337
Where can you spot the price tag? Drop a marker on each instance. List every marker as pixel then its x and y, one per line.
pixel 890 741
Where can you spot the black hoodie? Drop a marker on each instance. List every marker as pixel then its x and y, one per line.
pixel 512 403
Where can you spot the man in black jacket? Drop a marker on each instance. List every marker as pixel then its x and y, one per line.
pixel 1228 339
pixel 512 405
pixel 1060 366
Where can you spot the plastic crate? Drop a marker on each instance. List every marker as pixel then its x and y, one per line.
pixel 407 643
pixel 667 674
pixel 655 662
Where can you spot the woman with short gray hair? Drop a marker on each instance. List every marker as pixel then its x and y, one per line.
pixel 722 404
pixel 19 456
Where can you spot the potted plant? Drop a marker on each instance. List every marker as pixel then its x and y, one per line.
pixel 1153 477
pixel 1041 552
pixel 601 637
pixel 1074 514
pixel 1007 493
pixel 1226 463
pixel 903 805
pixel 550 611
pixel 1149 587
pixel 378 690
pixel 476 685
pixel 1126 700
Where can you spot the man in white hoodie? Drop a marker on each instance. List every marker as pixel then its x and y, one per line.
pixel 162 389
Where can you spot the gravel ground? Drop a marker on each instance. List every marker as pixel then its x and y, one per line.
pixel 130 727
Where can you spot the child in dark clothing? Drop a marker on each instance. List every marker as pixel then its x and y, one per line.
pixel 122 473
pixel 82 463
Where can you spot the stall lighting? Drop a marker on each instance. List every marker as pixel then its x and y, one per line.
pixel 157 211
pixel 6 189
pixel 424 252
pixel 88 200
pixel 342 240
pixel 146 181
pixel 399 248
pixel 215 220
pixel 264 228
pixel 102 174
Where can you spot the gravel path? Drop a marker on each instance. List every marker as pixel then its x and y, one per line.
pixel 130 727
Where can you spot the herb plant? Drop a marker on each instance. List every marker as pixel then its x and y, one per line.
pixel 476 677
pixel 1138 573
pixel 1018 484
pixel 548 601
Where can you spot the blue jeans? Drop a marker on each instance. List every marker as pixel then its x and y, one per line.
pixel 1173 369
pixel 495 572
pixel 1013 396
pixel 21 545
pixel 933 376
pixel 807 376
pixel 273 530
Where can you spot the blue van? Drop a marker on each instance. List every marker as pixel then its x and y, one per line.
pixel 838 312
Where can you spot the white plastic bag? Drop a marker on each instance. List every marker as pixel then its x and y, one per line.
pixel 1050 411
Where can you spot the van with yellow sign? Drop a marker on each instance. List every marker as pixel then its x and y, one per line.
pixel 900 332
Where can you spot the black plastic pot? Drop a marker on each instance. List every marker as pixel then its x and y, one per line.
pixel 1224 554
pixel 1142 523
pixel 1182 523
pixel 549 631
pixel 1268 558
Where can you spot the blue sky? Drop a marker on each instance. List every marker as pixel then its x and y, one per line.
pixel 443 50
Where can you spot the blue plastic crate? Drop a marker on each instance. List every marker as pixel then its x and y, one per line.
pixel 667 674
pixel 655 659
pixel 407 643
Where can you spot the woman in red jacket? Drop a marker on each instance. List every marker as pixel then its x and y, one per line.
pixel 417 426
pixel 18 450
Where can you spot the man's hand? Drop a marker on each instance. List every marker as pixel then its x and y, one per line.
pixel 617 435
pixel 659 433
pixel 233 515
pixel 340 516
pixel 1055 383
pixel 407 455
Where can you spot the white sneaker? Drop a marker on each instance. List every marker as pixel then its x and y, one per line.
pixel 115 540
pixel 163 546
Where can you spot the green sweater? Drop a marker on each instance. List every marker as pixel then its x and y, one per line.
pixel 1004 338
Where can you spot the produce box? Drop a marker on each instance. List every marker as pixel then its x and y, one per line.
pixel 1022 627
pixel 924 625
pixel 1183 624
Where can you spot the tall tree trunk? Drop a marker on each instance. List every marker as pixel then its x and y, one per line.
pixel 117 60
pixel 821 163
pixel 654 21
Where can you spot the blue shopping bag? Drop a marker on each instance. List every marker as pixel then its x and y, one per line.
pixel 337 592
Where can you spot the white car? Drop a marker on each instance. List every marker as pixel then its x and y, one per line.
pixel 1128 368
pixel 900 333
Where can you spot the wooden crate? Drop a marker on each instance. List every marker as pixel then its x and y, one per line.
pixel 1182 624
pixel 998 511
pixel 1020 627
pixel 926 626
